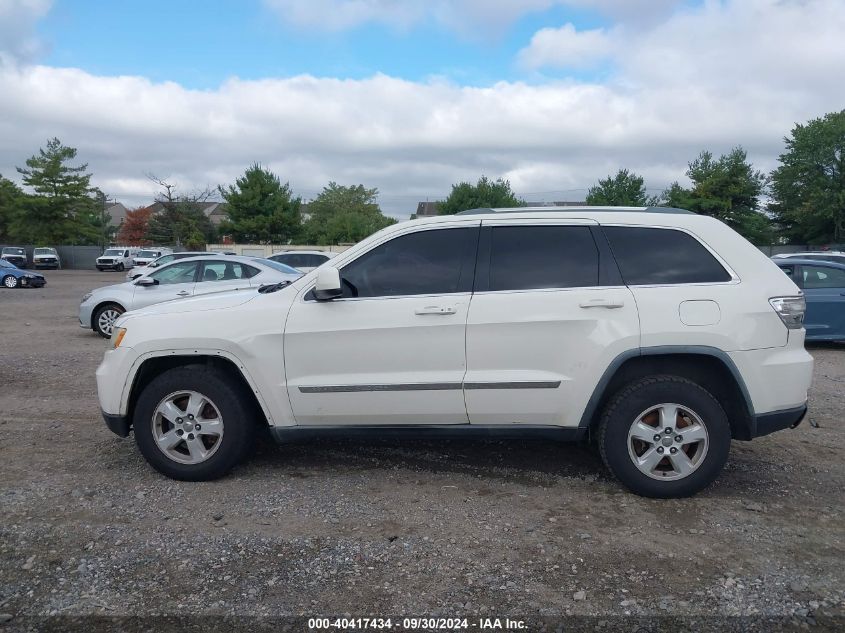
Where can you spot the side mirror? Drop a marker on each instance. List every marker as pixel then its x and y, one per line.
pixel 146 281
pixel 328 284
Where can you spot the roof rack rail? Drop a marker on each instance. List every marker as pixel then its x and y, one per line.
pixel 486 210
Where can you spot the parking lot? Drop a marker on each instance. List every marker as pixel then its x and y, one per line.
pixel 465 528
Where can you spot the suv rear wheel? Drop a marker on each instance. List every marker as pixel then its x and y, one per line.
pixel 192 424
pixel 664 436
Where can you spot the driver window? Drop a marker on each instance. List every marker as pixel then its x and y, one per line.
pixel 178 273
pixel 426 262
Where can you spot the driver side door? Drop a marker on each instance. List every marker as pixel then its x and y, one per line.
pixel 391 350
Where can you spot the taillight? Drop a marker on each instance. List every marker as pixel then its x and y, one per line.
pixel 790 310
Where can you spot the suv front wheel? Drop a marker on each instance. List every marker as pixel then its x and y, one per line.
pixel 191 423
pixel 664 436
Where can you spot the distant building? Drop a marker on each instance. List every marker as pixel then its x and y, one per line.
pixel 117 214
pixel 426 209
pixel 214 211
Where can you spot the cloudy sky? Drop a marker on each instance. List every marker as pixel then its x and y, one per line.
pixel 411 96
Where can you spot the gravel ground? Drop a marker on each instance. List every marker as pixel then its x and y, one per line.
pixel 451 528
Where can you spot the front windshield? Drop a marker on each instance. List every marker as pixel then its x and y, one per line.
pixel 11 250
pixel 282 268
pixel 163 260
pixel 43 251
pixel 146 254
pixel 118 252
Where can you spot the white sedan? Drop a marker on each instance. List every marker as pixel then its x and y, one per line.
pixel 179 279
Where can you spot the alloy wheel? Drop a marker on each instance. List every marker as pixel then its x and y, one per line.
pixel 187 427
pixel 668 441
pixel 106 320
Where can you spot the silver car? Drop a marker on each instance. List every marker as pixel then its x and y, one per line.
pixel 182 278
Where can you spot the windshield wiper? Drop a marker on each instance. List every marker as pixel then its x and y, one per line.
pixel 273 287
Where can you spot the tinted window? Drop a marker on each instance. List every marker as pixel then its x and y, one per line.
pixel 427 262
pixel 300 260
pixel 177 273
pixel 662 256
pixel 315 260
pixel 225 271
pixel 525 257
pixel 823 277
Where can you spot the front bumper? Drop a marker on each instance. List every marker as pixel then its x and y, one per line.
pixel 766 423
pixel 33 282
pixel 118 424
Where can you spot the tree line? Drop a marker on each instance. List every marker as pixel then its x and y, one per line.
pixel 801 201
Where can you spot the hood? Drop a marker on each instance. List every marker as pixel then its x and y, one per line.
pixel 200 303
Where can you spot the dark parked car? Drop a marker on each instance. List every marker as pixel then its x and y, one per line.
pixel 823 284
pixel 15 255
pixel 13 277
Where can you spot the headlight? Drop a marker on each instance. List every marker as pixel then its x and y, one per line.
pixel 117 336
pixel 87 296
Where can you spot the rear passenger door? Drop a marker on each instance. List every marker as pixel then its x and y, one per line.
pixel 548 314
pixel 218 276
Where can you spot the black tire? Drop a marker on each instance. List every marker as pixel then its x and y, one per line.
pixel 227 396
pixel 95 320
pixel 622 412
pixel 10 281
pixel 120 268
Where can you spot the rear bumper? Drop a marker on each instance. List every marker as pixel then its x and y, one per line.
pixel 118 424
pixel 766 423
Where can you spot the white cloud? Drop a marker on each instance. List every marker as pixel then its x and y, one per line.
pixel 17 28
pixel 730 73
pixel 567 48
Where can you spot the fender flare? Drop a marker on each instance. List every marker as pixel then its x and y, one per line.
pixel 662 350
pixel 129 384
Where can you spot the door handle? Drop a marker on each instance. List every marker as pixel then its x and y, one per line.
pixel 602 303
pixel 435 310
pixel 183 293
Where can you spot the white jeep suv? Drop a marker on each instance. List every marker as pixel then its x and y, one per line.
pixel 656 333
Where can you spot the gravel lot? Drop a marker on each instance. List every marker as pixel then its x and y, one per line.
pixel 339 527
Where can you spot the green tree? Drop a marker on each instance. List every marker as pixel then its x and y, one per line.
pixel 344 214
pixel 180 220
pixel 61 209
pixel 260 208
pixel 485 193
pixel 10 200
pixel 625 189
pixel 808 188
pixel 727 188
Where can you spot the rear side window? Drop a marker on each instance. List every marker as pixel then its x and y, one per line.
pixel 534 257
pixel 662 256
pixel 823 277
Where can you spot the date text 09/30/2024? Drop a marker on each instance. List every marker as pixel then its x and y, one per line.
pixel 417 624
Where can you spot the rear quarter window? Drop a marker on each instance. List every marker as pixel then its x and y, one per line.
pixel 649 256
